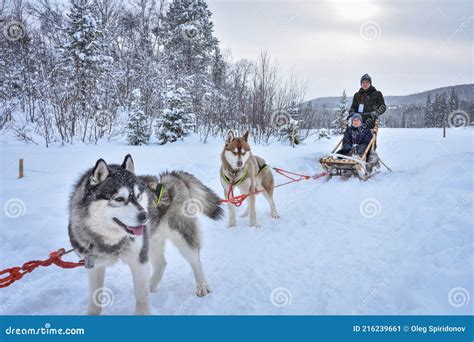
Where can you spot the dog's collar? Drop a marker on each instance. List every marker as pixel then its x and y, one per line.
pixel 159 192
pixel 261 168
pixel 233 180
pixel 244 176
pixel 158 189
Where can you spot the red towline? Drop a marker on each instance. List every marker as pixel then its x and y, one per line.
pixel 16 273
pixel 294 177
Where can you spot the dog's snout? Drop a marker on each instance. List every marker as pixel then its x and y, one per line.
pixel 239 163
pixel 142 216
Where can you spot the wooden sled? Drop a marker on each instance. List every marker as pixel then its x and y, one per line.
pixel 345 166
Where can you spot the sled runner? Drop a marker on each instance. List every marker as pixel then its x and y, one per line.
pixel 363 167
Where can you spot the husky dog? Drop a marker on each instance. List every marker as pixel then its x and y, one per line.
pixel 248 172
pixel 115 214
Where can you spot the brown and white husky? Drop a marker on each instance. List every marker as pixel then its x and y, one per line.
pixel 247 172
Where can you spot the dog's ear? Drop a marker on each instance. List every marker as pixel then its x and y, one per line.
pixel 128 164
pixel 229 137
pixel 99 173
pixel 246 135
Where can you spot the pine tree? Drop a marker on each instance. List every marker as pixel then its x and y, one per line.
pixel 453 101
pixel 340 122
pixel 440 110
pixel 84 60
pixel 428 112
pixel 443 111
pixel 138 132
pixel 177 119
pixel 189 41
pixel 436 107
pixel 290 130
pixel 192 51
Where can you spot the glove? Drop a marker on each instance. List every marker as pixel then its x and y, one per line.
pixel 354 149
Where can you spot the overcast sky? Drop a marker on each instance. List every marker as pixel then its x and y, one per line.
pixel 406 46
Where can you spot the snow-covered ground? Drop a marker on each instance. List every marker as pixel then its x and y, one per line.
pixel 400 243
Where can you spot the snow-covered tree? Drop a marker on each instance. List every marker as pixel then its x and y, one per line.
pixel 440 110
pixel 340 122
pixel 84 61
pixel 177 119
pixel 189 41
pixel 138 128
pixel 192 51
pixel 453 102
pixel 428 112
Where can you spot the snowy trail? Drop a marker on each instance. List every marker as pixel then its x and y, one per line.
pixel 397 244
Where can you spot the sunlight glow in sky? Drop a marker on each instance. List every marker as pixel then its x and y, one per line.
pixel 406 46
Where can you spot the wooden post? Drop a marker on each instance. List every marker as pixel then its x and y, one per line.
pixel 293 136
pixel 444 128
pixel 20 169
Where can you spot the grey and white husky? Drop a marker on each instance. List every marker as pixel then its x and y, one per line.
pixel 115 214
pixel 247 172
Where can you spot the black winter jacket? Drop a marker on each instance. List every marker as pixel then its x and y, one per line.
pixel 374 105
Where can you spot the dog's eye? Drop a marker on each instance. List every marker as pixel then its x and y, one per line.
pixel 119 199
pixel 243 153
pixel 138 196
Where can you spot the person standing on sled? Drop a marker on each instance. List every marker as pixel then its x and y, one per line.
pixel 356 137
pixel 368 102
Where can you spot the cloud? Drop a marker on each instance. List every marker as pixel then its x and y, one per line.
pixel 419 45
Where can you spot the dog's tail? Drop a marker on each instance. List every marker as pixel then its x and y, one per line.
pixel 202 197
pixel 210 200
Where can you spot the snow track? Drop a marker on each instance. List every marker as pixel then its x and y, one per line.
pixel 400 243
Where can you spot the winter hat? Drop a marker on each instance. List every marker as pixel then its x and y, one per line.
pixel 366 77
pixel 356 116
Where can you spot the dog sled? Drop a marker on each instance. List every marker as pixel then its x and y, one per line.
pixel 335 164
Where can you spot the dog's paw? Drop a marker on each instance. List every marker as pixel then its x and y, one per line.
pixel 94 310
pixel 274 215
pixel 254 225
pixel 231 225
pixel 202 290
pixel 142 310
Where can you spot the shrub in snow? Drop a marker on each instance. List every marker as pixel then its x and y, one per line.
pixel 323 133
pixel 138 131
pixel 177 118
